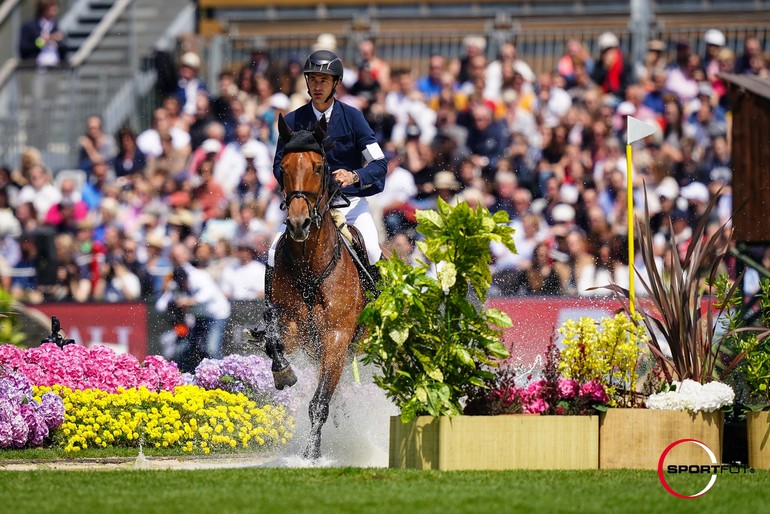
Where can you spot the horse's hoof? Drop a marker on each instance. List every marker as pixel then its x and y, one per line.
pixel 311 453
pixel 284 378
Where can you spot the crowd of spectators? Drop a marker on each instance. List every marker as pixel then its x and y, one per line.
pixel 546 148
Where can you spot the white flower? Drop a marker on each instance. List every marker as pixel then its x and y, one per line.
pixel 694 397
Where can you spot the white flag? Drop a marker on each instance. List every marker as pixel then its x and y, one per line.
pixel 638 129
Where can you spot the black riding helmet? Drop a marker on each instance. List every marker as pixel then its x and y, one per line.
pixel 325 62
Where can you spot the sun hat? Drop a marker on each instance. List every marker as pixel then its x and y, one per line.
pixel 714 37
pixel 446 180
pixel 608 40
pixel 191 60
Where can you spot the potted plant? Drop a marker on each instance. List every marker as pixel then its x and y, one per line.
pixel 435 346
pixel 680 315
pixel 751 377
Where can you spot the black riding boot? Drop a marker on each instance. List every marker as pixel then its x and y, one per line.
pixel 374 272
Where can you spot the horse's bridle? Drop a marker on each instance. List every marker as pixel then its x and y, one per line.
pixel 315 209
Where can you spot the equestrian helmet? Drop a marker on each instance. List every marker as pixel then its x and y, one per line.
pixel 324 61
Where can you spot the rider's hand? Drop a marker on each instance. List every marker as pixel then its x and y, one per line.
pixel 344 178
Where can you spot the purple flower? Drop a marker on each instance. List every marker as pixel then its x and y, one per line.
pixel 568 388
pixel 14 385
pixel 248 374
pixel 52 410
pixel 37 429
pixel 19 430
pixel 24 421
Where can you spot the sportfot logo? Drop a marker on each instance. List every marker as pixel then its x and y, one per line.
pixel 695 469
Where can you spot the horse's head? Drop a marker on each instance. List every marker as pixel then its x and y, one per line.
pixel 305 177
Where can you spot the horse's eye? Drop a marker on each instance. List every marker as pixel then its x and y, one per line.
pixel 319 168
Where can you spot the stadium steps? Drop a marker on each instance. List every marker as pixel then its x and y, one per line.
pixel 60 119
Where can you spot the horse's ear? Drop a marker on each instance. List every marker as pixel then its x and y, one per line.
pixel 320 130
pixel 284 132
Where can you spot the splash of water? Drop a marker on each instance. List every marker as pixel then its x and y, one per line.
pixel 357 431
pixel 141 461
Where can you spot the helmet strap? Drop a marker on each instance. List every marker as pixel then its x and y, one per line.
pixel 334 90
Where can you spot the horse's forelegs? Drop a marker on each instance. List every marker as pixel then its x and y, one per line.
pixel 319 412
pixel 283 375
pixel 331 370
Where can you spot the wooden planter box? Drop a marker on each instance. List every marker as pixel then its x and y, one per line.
pixel 636 438
pixel 522 441
pixel 758 425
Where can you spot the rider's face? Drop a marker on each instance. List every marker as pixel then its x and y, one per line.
pixel 321 86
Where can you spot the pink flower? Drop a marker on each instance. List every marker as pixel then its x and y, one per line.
pixel 507 395
pixel 568 388
pixel 98 367
pixel 535 389
pixel 538 406
pixel 11 356
pixel 594 391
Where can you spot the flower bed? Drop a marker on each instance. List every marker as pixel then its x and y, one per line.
pixel 76 397
pixel 191 419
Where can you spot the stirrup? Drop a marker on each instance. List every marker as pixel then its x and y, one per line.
pixel 256 335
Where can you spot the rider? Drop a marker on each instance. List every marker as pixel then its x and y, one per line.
pixel 357 161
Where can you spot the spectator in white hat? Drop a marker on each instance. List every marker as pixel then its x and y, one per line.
pixel 714 40
pixel 189 84
pixel 612 72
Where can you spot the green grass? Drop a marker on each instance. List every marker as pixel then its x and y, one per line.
pixel 376 491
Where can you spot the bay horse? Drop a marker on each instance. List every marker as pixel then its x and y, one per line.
pixel 316 290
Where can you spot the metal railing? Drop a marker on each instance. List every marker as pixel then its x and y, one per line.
pixel 540 48
pixel 47 108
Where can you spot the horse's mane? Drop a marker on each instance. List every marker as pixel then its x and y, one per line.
pixel 303 141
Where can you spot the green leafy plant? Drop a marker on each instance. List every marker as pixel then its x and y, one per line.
pixel 10 328
pixel 753 373
pixel 677 320
pixel 429 340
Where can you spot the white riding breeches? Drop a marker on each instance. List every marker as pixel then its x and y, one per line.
pixel 358 215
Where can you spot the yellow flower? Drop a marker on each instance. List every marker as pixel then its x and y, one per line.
pixel 185 419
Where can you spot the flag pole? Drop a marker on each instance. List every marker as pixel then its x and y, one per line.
pixel 635 130
pixel 630 203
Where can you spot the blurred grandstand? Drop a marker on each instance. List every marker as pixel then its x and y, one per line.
pixel 114 43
